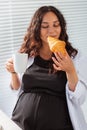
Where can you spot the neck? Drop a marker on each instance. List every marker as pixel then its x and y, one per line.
pixel 45 53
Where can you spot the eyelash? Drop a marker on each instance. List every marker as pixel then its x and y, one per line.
pixel 57 25
pixel 53 26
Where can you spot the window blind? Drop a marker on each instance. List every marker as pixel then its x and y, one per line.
pixel 15 16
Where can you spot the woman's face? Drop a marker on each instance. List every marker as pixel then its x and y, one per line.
pixel 50 26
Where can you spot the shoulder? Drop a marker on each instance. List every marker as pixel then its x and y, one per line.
pixel 80 63
pixel 80 59
pixel 30 61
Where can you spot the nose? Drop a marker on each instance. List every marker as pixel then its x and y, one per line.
pixel 51 31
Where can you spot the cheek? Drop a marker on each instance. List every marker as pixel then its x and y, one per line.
pixel 58 31
pixel 43 34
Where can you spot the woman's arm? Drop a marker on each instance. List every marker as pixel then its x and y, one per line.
pixel 65 63
pixel 76 72
pixel 72 78
pixel 15 80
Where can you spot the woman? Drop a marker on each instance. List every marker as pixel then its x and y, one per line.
pixel 52 88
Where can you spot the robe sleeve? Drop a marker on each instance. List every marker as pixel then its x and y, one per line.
pixel 80 93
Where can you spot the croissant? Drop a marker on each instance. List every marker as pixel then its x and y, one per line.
pixel 56 45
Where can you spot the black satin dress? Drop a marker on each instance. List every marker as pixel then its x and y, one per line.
pixel 42 103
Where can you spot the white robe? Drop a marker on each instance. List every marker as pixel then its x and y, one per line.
pixel 76 99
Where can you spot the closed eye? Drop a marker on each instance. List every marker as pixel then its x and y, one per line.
pixel 43 26
pixel 56 25
pixel 46 25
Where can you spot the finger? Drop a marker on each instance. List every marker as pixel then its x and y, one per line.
pixel 9 64
pixel 10 60
pixel 56 67
pixel 58 61
pixel 9 67
pixel 55 61
pixel 61 55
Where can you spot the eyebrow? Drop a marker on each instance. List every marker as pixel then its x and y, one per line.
pixel 47 22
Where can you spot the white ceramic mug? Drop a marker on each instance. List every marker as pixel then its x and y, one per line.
pixel 20 62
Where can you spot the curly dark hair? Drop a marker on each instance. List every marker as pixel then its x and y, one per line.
pixel 32 41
